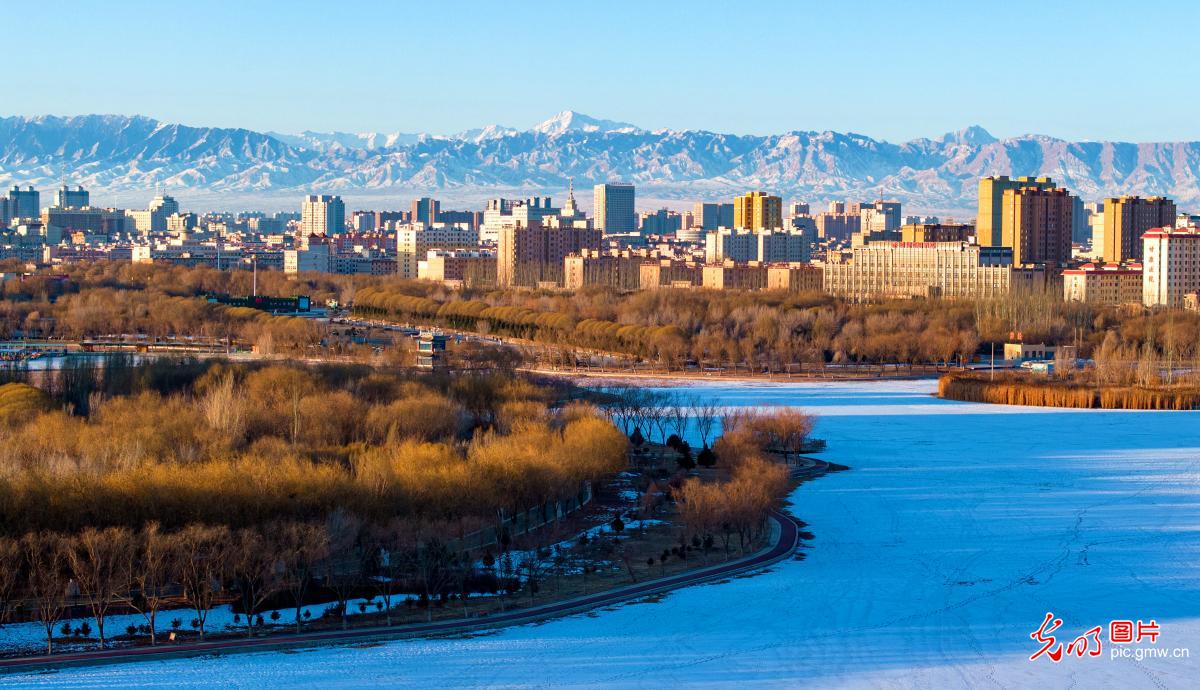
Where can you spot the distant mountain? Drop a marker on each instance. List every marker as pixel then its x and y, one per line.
pixel 571 121
pixel 121 154
pixel 324 141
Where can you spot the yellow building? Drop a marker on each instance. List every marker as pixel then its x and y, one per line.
pixel 1126 219
pixel 794 277
pixel 991 203
pixel 1036 223
pixel 734 276
pixel 758 211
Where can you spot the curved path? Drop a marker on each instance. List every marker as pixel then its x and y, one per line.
pixel 785 538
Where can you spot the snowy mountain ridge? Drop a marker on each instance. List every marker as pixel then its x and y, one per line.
pixel 123 153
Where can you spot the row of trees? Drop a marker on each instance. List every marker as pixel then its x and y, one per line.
pixel 156 573
pixel 777 329
pixel 758 329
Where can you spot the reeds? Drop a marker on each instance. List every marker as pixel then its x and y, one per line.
pixel 1017 389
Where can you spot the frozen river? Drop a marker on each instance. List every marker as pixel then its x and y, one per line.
pixel 958 529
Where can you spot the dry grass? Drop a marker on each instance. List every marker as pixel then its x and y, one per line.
pixel 1017 389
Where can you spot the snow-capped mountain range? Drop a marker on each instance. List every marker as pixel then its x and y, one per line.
pixel 123 153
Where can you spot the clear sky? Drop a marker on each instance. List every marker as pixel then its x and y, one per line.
pixel 894 70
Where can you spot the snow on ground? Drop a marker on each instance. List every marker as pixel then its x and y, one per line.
pixel 31 636
pixel 934 558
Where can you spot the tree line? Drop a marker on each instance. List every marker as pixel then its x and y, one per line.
pixel 775 329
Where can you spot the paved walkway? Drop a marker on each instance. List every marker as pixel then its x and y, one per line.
pixel 785 538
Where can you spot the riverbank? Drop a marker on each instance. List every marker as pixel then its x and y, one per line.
pixel 692 376
pixel 1025 389
pixel 784 536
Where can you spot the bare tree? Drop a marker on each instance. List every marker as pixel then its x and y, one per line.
pixel 203 553
pixel 99 560
pixel 704 416
pixel 301 547
pixel 393 543
pixel 343 565
pixel 677 415
pixel 48 577
pixel 256 570
pixel 153 563
pixel 436 569
pixel 11 561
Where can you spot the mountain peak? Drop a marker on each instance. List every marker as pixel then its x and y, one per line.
pixel 571 121
pixel 973 135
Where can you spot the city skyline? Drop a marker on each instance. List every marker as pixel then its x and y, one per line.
pixel 882 70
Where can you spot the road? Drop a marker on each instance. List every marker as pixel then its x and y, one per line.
pixel 785 538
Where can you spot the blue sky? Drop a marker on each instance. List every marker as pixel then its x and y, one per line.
pixel 894 70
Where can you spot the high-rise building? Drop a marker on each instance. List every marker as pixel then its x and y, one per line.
pixel 414 241
pixel 712 216
pixel 1170 266
pixel 798 208
pixel 837 225
pixel 529 255
pixel 758 211
pixel 154 218
pixel 614 208
pixel 322 215
pixel 1036 224
pixel 425 210
pixel 1126 218
pixel 24 203
pixel 879 217
pixel 991 204
pixel 6 212
pixel 504 213
pixel 66 197
pixel 1081 226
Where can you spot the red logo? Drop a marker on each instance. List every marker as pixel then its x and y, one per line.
pixel 1090 644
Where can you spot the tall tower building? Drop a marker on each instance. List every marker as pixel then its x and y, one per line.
pixel 570 211
pixel 1036 223
pixel 72 198
pixel 1126 218
pixel 712 216
pixel 614 208
pixel 758 211
pixel 425 210
pixel 991 203
pixel 322 215
pixel 26 203
pixel 882 216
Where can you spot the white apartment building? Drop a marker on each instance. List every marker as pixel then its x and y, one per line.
pixel 1104 284
pixel 1170 266
pixel 726 244
pixel 314 257
pixel 322 215
pixel 414 241
pixel 888 270
pixel 154 219
pixel 510 213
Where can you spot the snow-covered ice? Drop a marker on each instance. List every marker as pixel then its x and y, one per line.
pixel 934 558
